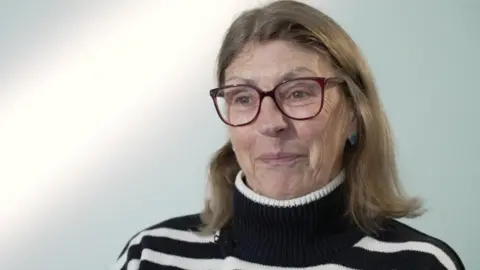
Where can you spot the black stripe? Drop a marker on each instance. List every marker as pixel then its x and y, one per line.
pixel 422 237
pixel 359 258
pixel 184 223
pixel 124 249
pixel 134 252
pixel 183 249
pixel 146 265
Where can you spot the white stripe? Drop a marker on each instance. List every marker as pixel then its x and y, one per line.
pixel 216 264
pixel 180 262
pixel 185 236
pixel 306 199
pixel 133 265
pixel 371 244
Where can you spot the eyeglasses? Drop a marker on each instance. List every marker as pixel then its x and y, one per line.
pixel 299 99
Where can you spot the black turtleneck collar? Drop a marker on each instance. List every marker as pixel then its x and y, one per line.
pixel 300 232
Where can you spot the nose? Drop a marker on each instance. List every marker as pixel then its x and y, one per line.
pixel 271 121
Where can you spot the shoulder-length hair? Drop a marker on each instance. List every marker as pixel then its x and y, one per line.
pixel 374 191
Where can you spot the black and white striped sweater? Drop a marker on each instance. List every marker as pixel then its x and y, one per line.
pixel 310 232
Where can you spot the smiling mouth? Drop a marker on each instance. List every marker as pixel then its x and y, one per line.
pixel 286 160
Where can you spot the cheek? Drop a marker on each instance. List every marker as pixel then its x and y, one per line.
pixel 242 138
pixel 312 130
pixel 313 133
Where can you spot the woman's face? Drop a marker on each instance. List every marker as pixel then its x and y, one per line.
pixel 284 158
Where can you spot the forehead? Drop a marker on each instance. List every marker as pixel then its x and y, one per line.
pixel 272 60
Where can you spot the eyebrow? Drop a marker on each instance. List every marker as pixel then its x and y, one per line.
pixel 294 73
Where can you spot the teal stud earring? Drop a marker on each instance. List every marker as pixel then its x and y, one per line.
pixel 353 138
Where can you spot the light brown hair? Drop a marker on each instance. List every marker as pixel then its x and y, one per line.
pixel 374 191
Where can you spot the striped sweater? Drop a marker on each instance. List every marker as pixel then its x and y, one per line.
pixel 310 232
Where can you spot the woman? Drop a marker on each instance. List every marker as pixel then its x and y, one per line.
pixel 308 178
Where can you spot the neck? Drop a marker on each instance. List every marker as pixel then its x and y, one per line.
pixel 299 201
pixel 279 231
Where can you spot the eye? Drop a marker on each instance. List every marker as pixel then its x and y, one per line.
pixel 239 96
pixel 299 91
pixel 298 94
pixel 242 99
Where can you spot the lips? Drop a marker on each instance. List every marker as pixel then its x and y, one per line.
pixel 280 159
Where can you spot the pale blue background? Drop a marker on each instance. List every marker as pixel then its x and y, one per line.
pixel 94 148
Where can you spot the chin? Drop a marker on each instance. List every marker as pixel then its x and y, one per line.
pixel 283 194
pixel 281 185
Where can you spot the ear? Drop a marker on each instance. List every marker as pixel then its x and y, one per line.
pixel 352 124
pixel 352 136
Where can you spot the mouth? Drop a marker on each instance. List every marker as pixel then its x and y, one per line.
pixel 280 159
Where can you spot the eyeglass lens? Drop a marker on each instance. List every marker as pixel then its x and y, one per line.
pixel 298 99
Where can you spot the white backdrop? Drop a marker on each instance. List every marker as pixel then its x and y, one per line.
pixel 106 125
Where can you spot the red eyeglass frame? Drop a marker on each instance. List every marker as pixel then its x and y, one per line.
pixel 322 81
